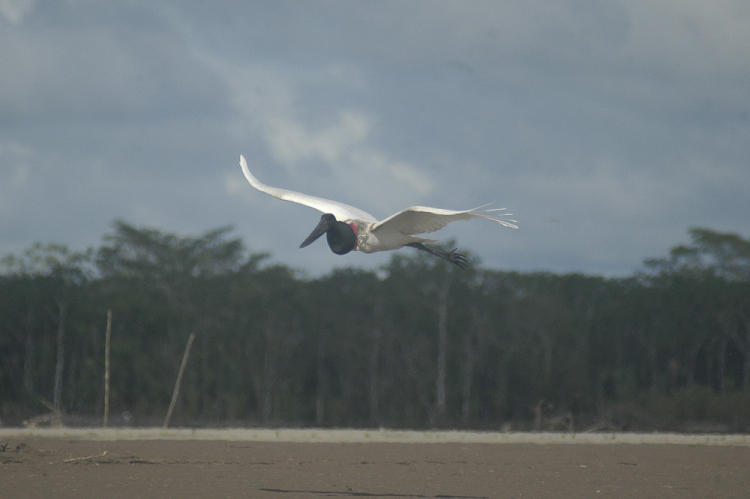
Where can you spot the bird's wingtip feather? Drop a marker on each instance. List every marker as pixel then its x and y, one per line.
pixel 493 215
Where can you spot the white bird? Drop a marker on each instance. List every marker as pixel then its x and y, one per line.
pixel 348 228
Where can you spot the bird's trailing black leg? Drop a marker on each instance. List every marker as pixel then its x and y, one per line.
pixel 457 259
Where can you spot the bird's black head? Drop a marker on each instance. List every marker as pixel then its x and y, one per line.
pixel 341 237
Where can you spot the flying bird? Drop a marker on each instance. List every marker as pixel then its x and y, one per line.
pixel 350 229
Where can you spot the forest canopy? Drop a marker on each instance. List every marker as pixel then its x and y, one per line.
pixel 417 344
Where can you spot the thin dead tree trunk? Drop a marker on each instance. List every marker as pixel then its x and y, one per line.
pixel 178 382
pixel 107 337
pixel 721 358
pixel 442 350
pixel 269 379
pixel 467 374
pixel 320 388
pixel 28 355
pixel 269 373
pixel 473 341
pixel 28 363
pixel 373 374
pixel 57 397
pixel 742 343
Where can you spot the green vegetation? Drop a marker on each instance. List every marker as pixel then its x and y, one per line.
pixel 417 344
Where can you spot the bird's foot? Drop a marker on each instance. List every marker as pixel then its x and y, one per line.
pixel 452 256
pixel 457 259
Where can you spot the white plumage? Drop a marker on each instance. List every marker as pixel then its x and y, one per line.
pixel 393 232
pixel 340 210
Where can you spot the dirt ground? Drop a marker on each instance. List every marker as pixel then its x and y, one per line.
pixel 31 466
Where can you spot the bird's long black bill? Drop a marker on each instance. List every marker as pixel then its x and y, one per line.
pixel 318 231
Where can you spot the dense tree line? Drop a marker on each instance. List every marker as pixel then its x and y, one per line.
pixel 417 344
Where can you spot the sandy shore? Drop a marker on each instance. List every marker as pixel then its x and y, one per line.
pixel 289 463
pixel 372 435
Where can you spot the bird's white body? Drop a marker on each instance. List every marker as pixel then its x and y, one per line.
pixel 370 241
pixel 391 233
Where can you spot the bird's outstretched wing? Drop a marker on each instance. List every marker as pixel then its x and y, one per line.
pixel 339 210
pixel 422 219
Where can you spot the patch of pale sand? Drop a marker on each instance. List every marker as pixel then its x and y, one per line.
pixel 374 435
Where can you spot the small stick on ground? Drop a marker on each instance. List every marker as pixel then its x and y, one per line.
pixel 85 458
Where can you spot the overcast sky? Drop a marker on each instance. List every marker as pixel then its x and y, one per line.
pixel 607 128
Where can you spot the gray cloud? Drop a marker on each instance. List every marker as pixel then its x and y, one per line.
pixel 608 128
